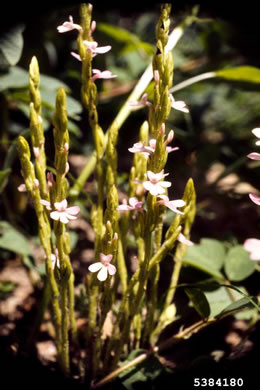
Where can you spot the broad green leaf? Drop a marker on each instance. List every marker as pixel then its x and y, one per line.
pixel 17 77
pixel 11 46
pixel 199 301
pixel 51 83
pixel 221 297
pixel 208 256
pixel 238 265
pixel 247 74
pixel 49 100
pixel 146 374
pixel 121 35
pixel 12 240
pixel 4 178
pixel 240 304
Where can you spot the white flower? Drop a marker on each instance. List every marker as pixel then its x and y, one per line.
pixel 134 203
pixel 105 74
pixel 68 26
pixel 55 259
pixel 179 105
pixel 172 204
pixel 62 212
pixel 22 187
pixel 256 132
pixel 252 245
pixel 95 49
pixel 103 267
pixel 181 238
pixel 155 185
pixel 140 148
pixel 142 103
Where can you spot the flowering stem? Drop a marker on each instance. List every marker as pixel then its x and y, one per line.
pixel 125 111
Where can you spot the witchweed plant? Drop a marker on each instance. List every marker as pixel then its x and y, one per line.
pixel 128 300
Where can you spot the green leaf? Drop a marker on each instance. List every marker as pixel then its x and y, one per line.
pixel 4 178
pixel 145 374
pixel 208 256
pixel 6 287
pixel 51 83
pixel 15 78
pixel 199 301
pixel 247 74
pixel 12 240
pixel 131 40
pixel 238 265
pixel 11 46
pixel 243 303
pixel 49 100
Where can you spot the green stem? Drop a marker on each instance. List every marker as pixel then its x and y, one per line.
pixel 193 80
pixel 65 326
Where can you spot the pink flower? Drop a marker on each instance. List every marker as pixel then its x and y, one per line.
pixel 68 26
pixel 142 103
pixel 134 203
pixel 252 245
pixel 105 74
pixel 172 204
pixel 179 105
pixel 181 238
pixel 155 186
pixel 93 47
pixel 75 55
pixel 104 267
pixel 140 148
pixel 254 156
pixel 255 199
pixel 62 213
pixel 169 149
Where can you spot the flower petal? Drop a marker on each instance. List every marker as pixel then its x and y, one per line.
pixel 102 275
pixel 105 258
pixel 55 215
pixel 22 188
pixel 111 269
pixel 64 218
pixel 254 156
pixel 95 267
pixel 74 210
pixel 255 199
pixel 103 49
pixel 256 132
pixel 46 204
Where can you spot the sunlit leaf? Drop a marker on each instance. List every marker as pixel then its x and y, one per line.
pixel 208 256
pixel 238 265
pixel 131 41
pixel 243 303
pixel 247 74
